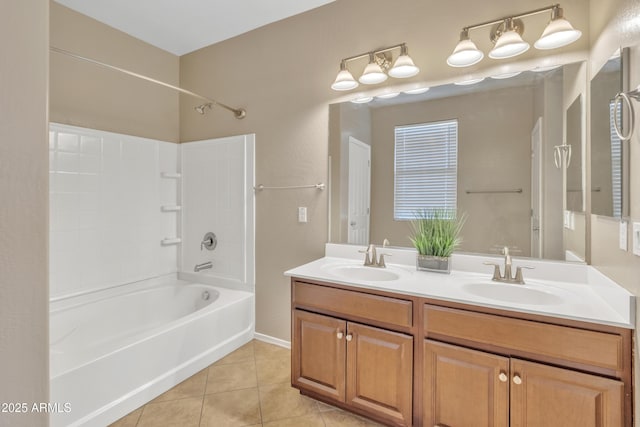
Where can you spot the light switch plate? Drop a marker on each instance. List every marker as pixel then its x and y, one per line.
pixel 302 214
pixel 623 236
pixel 636 238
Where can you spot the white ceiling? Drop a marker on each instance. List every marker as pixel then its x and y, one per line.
pixel 182 26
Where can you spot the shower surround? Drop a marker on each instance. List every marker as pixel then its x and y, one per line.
pixel 127 216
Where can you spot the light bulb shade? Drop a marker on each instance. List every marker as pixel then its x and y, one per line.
pixel 509 44
pixel 403 68
pixel 372 74
pixel 344 81
pixel 362 100
pixel 558 33
pixel 465 54
pixel 388 95
pixel 416 91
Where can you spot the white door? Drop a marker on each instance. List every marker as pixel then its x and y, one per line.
pixel 359 192
pixel 536 193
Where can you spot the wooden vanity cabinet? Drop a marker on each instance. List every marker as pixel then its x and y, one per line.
pixel 405 360
pixel 365 368
pixel 573 376
pixel 464 387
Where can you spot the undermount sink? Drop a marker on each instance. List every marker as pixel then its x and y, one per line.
pixel 361 272
pixel 520 294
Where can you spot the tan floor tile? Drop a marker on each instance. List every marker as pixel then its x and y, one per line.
pixel 241 355
pixel 313 420
pixel 233 376
pixel 280 401
pixel 129 420
pixel 266 350
pixel 174 413
pixel 340 418
pixel 322 407
pixel 274 370
pixel 193 386
pixel 231 408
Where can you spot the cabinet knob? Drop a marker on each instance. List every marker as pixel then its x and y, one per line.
pixel 339 335
pixel 517 379
pixel 503 377
pixel 349 337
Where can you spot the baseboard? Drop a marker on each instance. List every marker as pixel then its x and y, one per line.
pixel 272 340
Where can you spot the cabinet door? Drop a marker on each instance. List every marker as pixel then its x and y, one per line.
pixel 464 388
pixel 547 396
pixel 318 360
pixel 380 372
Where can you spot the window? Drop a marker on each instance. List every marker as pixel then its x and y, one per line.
pixel 426 168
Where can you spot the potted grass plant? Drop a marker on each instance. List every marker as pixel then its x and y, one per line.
pixel 435 235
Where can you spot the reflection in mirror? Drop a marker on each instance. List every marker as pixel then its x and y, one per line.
pixel 505 178
pixel 606 147
pixel 574 197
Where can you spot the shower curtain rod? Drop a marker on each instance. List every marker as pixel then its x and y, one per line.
pixel 239 113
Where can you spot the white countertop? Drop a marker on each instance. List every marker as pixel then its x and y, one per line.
pixel 584 293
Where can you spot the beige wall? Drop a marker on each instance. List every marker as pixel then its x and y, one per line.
pixel 615 24
pixel 24 299
pixel 87 95
pixel 494 153
pixel 282 72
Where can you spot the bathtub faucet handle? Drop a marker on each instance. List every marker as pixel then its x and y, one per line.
pixel 209 241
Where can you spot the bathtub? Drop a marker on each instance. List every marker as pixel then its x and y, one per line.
pixel 111 353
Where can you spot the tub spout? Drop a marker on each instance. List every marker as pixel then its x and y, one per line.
pixel 203 266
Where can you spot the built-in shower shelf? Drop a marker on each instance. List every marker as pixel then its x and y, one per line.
pixel 170 208
pixel 171 241
pixel 171 175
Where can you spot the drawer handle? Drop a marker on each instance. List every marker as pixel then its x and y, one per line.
pixel 339 335
pixel 503 377
pixel 517 379
pixel 349 337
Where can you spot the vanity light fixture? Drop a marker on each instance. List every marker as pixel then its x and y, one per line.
pixel 388 95
pixel 506 75
pixel 506 34
pixel 378 68
pixel 416 91
pixel 468 82
pixel 344 80
pixel 362 100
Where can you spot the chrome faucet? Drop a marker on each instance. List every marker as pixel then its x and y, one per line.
pixel 371 256
pixel 203 266
pixel 507 277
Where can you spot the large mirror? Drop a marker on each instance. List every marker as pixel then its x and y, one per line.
pixel 606 147
pixel 505 178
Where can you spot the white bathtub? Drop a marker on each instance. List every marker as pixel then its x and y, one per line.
pixel 111 354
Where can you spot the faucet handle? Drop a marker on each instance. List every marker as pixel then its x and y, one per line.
pixel 519 279
pixel 381 260
pixel 496 270
pixel 367 252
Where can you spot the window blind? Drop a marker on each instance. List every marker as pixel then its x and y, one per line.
pixel 616 161
pixel 426 168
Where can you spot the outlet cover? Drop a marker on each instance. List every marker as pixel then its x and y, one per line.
pixel 623 236
pixel 636 238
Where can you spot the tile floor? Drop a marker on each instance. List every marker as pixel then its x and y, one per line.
pixel 249 387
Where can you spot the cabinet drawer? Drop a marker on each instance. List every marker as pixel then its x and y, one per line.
pixel 359 305
pixel 561 343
